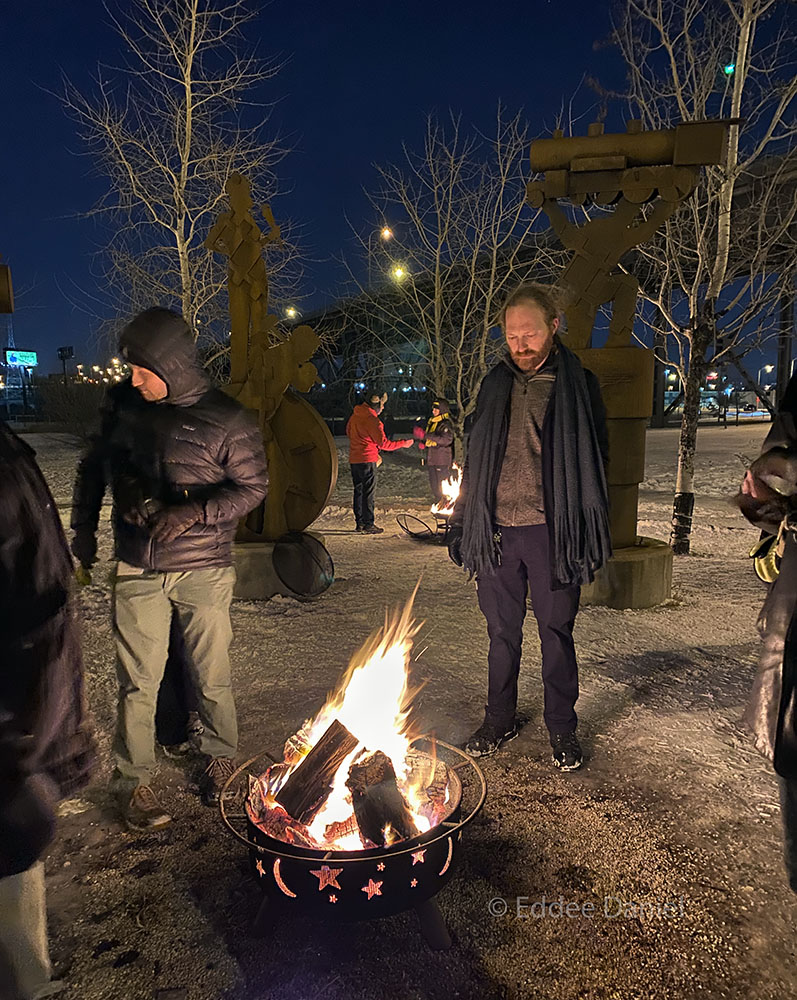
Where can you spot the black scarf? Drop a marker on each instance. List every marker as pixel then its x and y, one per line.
pixel 574 482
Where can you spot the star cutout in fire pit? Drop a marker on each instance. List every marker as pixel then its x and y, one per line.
pixel 373 888
pixel 414 883
pixel 260 869
pixel 333 899
pixel 380 867
pixel 418 857
pixel 327 876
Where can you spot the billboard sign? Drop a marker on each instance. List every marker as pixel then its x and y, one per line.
pixel 21 359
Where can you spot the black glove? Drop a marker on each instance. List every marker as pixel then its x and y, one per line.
pixel 84 547
pixel 454 543
pixel 169 522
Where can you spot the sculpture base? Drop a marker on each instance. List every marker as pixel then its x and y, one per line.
pixel 639 576
pixel 257 578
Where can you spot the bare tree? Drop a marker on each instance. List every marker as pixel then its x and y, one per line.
pixel 459 238
pixel 720 266
pixel 167 130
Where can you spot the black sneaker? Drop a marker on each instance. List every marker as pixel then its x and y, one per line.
pixel 215 777
pixel 144 812
pixel 372 530
pixel 567 754
pixel 489 738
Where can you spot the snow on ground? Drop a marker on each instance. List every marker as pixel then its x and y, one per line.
pixel 673 805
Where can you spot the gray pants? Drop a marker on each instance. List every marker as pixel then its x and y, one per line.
pixel 25 969
pixel 142 610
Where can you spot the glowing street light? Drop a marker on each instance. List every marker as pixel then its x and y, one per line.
pixel 387 233
pixel 399 272
pixel 291 312
pixel 766 368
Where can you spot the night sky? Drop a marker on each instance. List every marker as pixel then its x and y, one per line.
pixel 359 81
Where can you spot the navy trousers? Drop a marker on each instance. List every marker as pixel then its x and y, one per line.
pixel 525 569
pixel 363 475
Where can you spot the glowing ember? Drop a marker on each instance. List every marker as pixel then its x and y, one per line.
pixel 450 488
pixel 373 703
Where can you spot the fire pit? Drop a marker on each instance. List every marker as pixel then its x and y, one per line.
pixel 419 529
pixel 359 819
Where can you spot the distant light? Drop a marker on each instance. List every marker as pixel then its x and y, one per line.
pixel 114 361
pixel 399 272
pixel 291 312
pixel 401 371
pixel 387 233
pixel 323 385
pixel 729 69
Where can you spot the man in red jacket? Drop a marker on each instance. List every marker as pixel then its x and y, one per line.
pixel 366 434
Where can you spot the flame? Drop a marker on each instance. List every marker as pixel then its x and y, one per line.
pixel 373 701
pixel 450 488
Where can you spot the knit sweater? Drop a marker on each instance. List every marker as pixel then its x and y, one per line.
pixel 519 496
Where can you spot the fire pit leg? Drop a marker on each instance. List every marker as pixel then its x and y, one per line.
pixel 264 921
pixel 433 927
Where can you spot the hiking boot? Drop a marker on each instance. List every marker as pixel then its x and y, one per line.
pixel 216 774
pixel 372 530
pixel 566 751
pixel 488 738
pixel 177 750
pixel 144 811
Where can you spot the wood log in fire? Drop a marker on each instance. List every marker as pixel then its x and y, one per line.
pixel 377 801
pixel 309 786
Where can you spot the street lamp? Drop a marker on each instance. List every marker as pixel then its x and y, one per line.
pixel 387 233
pixel 766 368
pixel 291 312
pixel 398 272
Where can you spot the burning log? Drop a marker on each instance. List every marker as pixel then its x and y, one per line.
pixel 377 801
pixel 308 787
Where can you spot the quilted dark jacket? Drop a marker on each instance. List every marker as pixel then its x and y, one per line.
pixel 45 746
pixel 197 445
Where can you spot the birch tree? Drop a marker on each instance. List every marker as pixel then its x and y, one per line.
pixel 718 269
pixel 167 129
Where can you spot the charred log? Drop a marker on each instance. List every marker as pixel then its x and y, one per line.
pixel 308 787
pixel 377 801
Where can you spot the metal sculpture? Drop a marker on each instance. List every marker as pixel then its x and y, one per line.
pixel 628 172
pixel 266 365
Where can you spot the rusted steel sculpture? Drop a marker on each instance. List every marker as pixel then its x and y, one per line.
pixel 266 365
pixel 644 176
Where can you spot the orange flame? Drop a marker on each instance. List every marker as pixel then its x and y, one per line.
pixel 450 488
pixel 373 701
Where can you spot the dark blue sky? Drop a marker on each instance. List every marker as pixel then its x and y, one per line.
pixel 359 80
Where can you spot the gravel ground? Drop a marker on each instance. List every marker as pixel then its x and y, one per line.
pixel 673 805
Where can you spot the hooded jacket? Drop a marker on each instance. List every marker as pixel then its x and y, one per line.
pixel 46 750
pixel 196 446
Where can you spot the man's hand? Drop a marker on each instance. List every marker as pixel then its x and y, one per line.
pixel 84 547
pixel 751 485
pixel 418 433
pixel 408 443
pixel 454 543
pixel 169 522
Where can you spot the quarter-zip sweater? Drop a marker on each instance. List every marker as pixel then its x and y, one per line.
pixel 519 495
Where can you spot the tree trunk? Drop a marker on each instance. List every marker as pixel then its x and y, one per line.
pixel 684 501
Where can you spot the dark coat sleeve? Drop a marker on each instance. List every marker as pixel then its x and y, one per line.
pixel 598 414
pixel 90 481
pixel 243 459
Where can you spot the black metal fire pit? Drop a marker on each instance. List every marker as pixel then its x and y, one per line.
pixel 421 530
pixel 366 884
